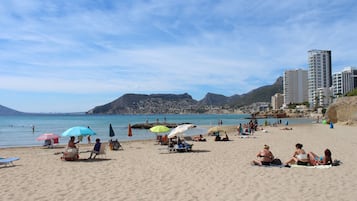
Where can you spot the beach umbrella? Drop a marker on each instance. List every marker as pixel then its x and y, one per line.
pixel 180 130
pixel 159 129
pixel 111 131
pixel 78 131
pixel 130 132
pixel 47 136
pixel 215 129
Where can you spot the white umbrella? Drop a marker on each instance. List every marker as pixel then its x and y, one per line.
pixel 180 130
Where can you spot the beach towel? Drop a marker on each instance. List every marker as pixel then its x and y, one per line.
pixel 306 166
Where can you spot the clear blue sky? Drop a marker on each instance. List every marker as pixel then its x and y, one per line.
pixel 69 56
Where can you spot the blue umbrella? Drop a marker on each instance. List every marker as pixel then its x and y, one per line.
pixel 78 131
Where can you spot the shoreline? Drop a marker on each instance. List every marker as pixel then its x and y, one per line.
pixel 212 171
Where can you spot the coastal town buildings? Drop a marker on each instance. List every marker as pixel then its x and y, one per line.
pixel 319 77
pixel 295 86
pixel 344 81
pixel 277 101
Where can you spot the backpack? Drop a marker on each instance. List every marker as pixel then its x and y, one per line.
pixel 276 161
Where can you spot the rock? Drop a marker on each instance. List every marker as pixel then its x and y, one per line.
pixel 343 110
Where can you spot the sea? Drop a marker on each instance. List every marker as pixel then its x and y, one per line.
pixel 22 130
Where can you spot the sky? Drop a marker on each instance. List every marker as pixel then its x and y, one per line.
pixel 70 56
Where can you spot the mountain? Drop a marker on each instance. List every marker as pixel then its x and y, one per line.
pixel 261 94
pixel 8 111
pixel 183 103
pixel 213 100
pixel 147 104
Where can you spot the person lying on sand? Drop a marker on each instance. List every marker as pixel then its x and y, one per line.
pixel 199 138
pixel 320 160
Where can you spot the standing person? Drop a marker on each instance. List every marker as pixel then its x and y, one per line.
pixel 299 157
pixel 88 138
pixel 240 129
pixel 265 157
pixel 96 148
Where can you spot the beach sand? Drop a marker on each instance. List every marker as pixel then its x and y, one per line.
pixel 213 171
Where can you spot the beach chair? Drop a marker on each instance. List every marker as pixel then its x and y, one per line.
pixel 8 161
pixel 102 151
pixel 115 145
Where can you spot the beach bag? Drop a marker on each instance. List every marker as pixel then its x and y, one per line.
pixel 276 161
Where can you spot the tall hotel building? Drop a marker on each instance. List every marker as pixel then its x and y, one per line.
pixel 319 77
pixel 345 81
pixel 295 86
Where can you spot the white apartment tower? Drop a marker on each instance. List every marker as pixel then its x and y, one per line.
pixel 319 76
pixel 277 101
pixel 345 81
pixel 295 86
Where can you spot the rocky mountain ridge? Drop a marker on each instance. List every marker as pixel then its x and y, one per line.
pixel 184 103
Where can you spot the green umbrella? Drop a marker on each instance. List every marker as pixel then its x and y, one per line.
pixel 159 129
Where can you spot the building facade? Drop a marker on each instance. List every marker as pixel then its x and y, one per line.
pixel 295 84
pixel 345 81
pixel 319 77
pixel 277 101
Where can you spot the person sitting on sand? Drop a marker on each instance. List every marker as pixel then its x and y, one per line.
pixel 265 157
pixel 226 138
pixel 299 157
pixel 218 138
pixel 96 148
pixel 71 143
pixel 323 160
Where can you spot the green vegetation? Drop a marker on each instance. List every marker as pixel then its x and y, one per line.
pixel 352 93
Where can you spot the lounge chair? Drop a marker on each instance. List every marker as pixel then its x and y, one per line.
pixel 102 150
pixel 184 147
pixel 8 161
pixel 115 145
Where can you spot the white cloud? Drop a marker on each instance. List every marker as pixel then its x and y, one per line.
pixel 227 47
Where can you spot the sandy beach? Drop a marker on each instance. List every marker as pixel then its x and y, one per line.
pixel 213 171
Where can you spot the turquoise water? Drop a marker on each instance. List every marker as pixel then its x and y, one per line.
pixel 17 130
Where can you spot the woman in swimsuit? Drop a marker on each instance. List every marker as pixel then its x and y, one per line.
pixel 323 160
pixel 265 157
pixel 299 157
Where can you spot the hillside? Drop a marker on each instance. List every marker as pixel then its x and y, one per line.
pixel 147 104
pixel 8 111
pixel 261 94
pixel 183 103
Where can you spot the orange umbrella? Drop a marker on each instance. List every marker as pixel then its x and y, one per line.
pixel 130 133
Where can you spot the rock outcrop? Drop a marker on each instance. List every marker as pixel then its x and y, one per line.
pixel 343 110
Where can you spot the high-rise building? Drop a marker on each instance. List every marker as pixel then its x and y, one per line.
pixel 345 81
pixel 277 101
pixel 319 76
pixel 295 86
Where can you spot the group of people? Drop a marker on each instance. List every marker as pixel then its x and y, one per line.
pixel 71 152
pixel 299 157
pixel 248 129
